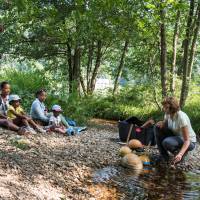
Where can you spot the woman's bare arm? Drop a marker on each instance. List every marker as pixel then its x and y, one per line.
pixel 185 146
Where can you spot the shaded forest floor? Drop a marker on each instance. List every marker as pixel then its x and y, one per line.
pixel 52 166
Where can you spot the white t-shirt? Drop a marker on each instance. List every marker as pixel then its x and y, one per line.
pixel 4 105
pixel 179 121
pixel 55 120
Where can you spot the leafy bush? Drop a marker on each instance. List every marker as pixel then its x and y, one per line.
pixel 25 84
pixel 130 101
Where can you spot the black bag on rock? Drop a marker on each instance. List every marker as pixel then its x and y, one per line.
pixel 144 135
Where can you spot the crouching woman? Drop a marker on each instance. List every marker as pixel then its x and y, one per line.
pixel 175 133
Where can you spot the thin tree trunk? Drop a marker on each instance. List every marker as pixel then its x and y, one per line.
pixel 194 41
pixel 163 54
pixel 193 51
pixel 186 55
pixel 83 85
pixel 89 65
pixel 152 63
pixel 76 70
pixel 120 67
pixel 70 67
pixel 175 41
pixel 97 65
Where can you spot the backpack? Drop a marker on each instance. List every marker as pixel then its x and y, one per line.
pixel 144 135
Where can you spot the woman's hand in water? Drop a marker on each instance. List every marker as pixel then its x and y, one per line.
pixel 178 157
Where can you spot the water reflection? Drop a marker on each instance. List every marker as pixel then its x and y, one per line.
pixel 104 174
pixel 164 184
pixel 150 183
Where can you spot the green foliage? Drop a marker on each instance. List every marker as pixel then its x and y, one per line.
pixel 137 100
pixel 20 143
pixel 51 32
pixel 192 107
pixel 25 84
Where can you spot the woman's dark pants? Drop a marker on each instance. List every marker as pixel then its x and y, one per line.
pixel 167 141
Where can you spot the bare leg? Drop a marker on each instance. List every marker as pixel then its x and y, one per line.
pixel 12 126
pixel 60 130
pixel 32 123
pixel 35 126
pixel 9 125
pixel 25 122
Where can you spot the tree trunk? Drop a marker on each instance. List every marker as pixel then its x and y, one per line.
pixel 83 85
pixel 97 65
pixel 70 67
pixel 175 41
pixel 152 63
pixel 194 41
pixel 186 55
pixel 193 51
pixel 76 69
pixel 120 67
pixel 163 54
pixel 73 68
pixel 89 65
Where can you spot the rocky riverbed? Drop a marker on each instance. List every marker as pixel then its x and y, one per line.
pixel 51 166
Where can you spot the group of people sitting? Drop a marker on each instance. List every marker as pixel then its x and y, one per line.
pixel 13 117
pixel 174 134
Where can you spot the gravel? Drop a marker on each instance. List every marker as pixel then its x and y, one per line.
pixel 58 167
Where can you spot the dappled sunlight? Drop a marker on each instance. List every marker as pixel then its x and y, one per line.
pixel 42 189
pixel 103 192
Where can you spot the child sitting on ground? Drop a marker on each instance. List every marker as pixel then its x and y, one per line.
pixel 17 115
pixel 55 122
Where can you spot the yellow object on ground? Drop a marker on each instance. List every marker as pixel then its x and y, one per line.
pixel 145 159
pixel 124 150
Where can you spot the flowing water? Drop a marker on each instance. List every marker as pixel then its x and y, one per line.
pixel 149 183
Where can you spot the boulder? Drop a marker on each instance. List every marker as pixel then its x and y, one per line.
pixel 134 144
pixel 132 161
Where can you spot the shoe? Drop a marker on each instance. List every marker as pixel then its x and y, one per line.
pixel 122 143
pixel 31 130
pixel 70 131
pixel 40 130
pixel 23 131
pixel 80 129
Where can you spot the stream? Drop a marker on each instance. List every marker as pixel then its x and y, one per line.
pixel 149 183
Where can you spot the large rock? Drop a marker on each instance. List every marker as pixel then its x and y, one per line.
pixel 134 144
pixel 133 161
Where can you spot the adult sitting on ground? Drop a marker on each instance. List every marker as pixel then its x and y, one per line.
pixel 175 133
pixel 39 112
pixel 38 109
pixel 40 115
pixel 4 104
